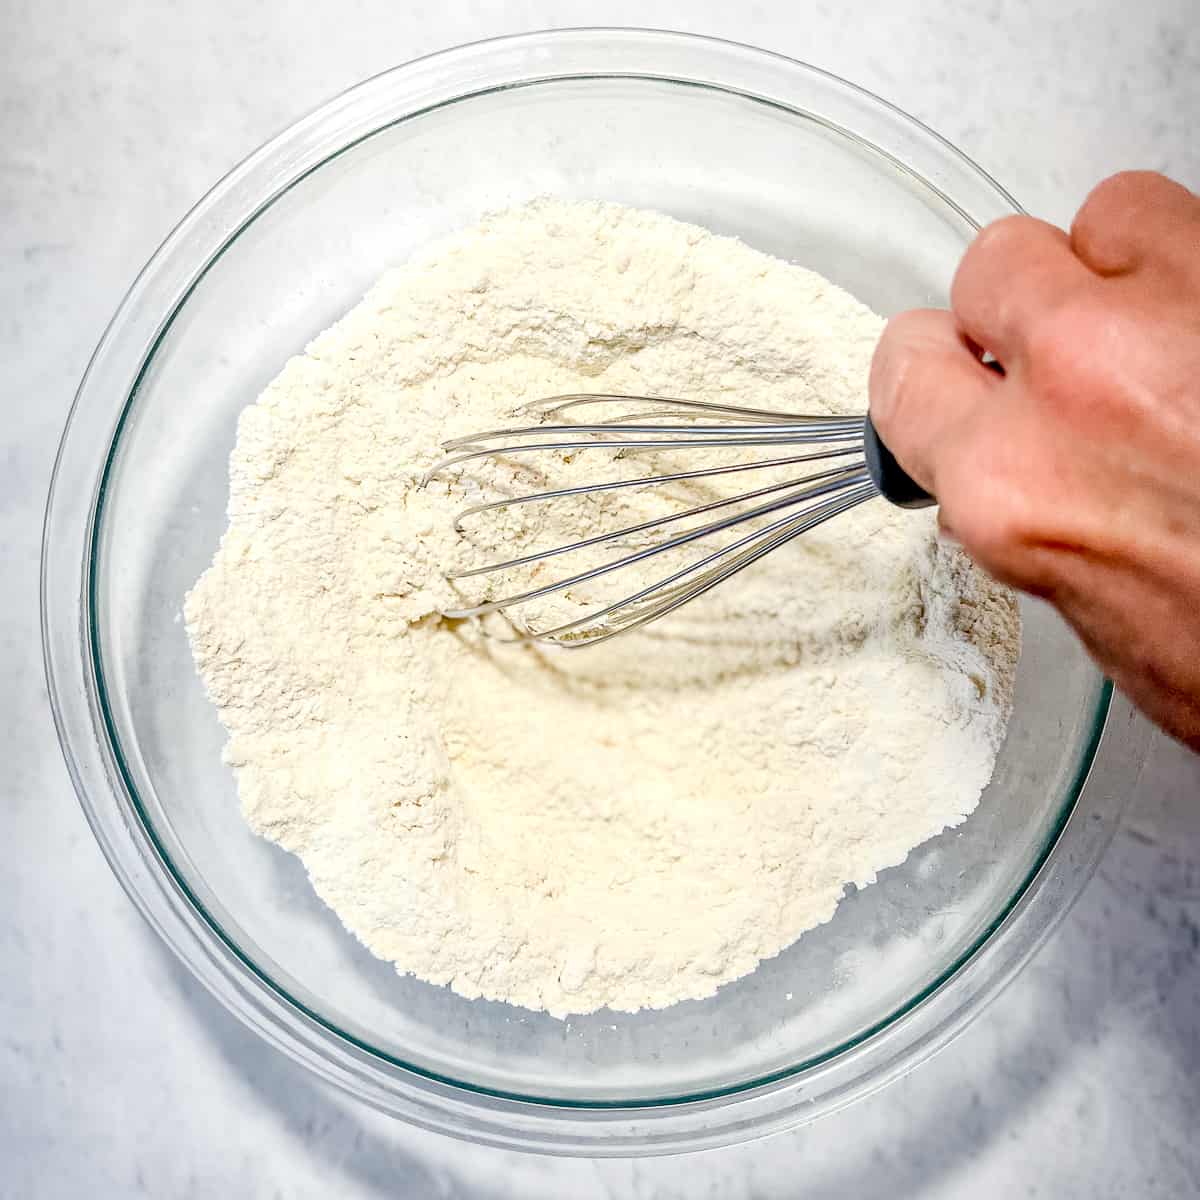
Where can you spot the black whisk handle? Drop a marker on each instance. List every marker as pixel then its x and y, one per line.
pixel 892 480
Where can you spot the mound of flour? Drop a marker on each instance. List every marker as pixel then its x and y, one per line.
pixel 630 825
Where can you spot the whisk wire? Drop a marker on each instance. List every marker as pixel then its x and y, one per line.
pixel 648 481
pixel 664 425
pixel 558 404
pixel 802 493
pixel 680 594
pixel 689 442
pixel 673 543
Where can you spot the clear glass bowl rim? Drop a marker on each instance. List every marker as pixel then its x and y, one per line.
pixel 75 503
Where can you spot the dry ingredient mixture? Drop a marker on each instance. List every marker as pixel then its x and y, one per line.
pixel 625 826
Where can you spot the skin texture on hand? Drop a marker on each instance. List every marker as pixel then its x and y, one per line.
pixel 1070 467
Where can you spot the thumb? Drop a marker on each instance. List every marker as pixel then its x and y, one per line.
pixel 926 379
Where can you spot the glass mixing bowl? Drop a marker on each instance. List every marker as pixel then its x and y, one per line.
pixel 789 159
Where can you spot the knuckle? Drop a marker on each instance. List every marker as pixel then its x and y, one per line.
pixel 992 242
pixel 912 325
pixel 1002 233
pixel 1005 257
pixel 1114 218
pixel 1121 192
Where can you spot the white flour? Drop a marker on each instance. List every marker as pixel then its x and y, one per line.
pixel 630 825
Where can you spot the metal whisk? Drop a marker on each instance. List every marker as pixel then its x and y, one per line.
pixel 820 467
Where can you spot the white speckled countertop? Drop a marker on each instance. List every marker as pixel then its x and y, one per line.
pixel 118 1076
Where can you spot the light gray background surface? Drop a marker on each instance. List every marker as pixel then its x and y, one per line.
pixel 118 1076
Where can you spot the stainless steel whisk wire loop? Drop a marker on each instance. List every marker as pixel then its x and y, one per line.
pixel 778 511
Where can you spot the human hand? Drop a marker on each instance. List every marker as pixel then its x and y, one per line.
pixel 1073 471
